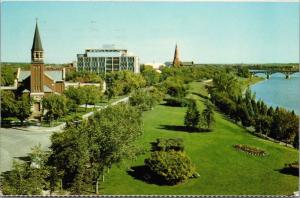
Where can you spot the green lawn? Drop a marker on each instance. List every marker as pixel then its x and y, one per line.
pixel 223 169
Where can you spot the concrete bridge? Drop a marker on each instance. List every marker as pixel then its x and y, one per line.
pixel 287 71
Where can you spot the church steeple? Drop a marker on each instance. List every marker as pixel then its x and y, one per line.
pixel 176 61
pixel 37 52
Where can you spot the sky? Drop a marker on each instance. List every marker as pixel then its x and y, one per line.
pixel 205 32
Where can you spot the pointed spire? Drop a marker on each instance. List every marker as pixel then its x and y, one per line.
pixel 176 61
pixel 37 44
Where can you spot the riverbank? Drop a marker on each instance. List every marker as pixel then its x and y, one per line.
pixel 247 82
pixel 223 169
pixel 278 91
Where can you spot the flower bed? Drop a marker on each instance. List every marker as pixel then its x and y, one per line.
pixel 250 150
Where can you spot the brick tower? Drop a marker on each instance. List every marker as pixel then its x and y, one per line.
pixel 37 65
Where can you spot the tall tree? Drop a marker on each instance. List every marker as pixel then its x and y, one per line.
pixel 55 106
pixel 192 116
pixel 208 114
pixel 23 108
pixel 91 95
pixel 150 75
pixel 92 147
pixel 8 104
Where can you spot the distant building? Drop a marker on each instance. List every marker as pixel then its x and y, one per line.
pixel 177 62
pixel 107 60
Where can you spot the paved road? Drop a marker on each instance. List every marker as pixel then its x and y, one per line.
pixel 17 142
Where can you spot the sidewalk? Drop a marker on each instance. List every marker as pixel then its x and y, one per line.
pixel 62 125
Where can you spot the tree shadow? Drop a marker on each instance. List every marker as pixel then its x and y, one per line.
pixel 183 129
pixel 200 95
pixel 144 174
pixel 289 171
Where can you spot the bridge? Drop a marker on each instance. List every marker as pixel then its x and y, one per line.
pixel 268 71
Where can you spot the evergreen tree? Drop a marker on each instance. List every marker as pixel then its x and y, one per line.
pixel 208 114
pixel 192 116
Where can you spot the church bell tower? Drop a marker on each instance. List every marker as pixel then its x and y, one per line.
pixel 37 64
pixel 176 61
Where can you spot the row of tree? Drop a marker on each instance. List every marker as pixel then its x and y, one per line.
pixel 279 124
pixel 80 156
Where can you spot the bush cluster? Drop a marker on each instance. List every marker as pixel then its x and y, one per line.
pixel 162 144
pixel 168 163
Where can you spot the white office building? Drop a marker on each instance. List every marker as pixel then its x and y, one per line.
pixel 107 60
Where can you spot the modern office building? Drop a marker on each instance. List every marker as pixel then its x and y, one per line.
pixel 107 60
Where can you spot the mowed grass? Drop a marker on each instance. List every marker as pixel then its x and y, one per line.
pixel 223 170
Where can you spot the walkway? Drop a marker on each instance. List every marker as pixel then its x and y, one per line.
pixel 16 142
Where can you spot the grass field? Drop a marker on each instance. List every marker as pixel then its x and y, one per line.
pixel 223 170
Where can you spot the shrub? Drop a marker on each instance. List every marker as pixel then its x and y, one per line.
pixel 170 167
pixel 168 144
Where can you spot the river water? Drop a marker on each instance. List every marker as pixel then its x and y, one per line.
pixel 278 91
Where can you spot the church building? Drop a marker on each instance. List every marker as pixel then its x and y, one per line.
pixel 39 81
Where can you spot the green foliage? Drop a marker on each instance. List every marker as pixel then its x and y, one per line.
pixel 175 87
pixel 227 84
pixel 8 75
pixel 296 141
pixel 263 124
pixel 10 107
pixel 74 94
pixel 8 104
pixel 146 99
pixel 90 94
pixel 279 124
pixel 55 106
pixel 151 76
pixel 84 77
pixel 83 152
pixel 171 167
pixel 28 178
pixel 123 82
pixel 243 72
pixel 192 116
pixel 23 180
pixel 208 114
pixel 284 126
pixel 23 110
pixel 188 74
pixel 163 144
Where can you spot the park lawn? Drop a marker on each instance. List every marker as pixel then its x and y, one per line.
pixel 222 169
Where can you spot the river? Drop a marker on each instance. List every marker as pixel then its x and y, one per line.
pixel 278 91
